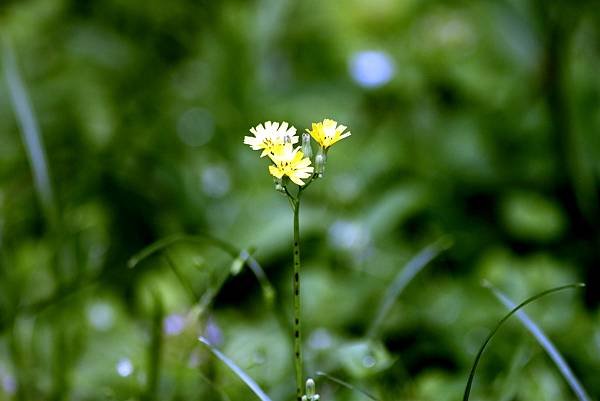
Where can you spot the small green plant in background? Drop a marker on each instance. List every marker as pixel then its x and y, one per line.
pixel 294 169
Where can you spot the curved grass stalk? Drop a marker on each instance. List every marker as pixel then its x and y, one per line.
pixel 237 370
pixel 501 322
pixel 410 270
pixel 184 283
pixel 545 343
pixel 347 385
pixel 243 255
pixel 166 242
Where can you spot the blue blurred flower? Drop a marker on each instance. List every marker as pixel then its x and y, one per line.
pixel 124 367
pixel 371 68
pixel 9 384
pixel 173 324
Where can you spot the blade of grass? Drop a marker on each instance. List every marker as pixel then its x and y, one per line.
pixel 184 283
pixel 410 270
pixel 231 250
pixel 545 343
pixel 61 295
pixel 347 385
pixel 267 289
pixel 166 242
pixel 60 363
pixel 155 348
pixel 505 318
pixel 30 132
pixel 237 370
pixel 514 376
pixel 216 388
pixel 18 360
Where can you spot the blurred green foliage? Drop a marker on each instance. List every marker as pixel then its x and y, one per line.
pixel 474 120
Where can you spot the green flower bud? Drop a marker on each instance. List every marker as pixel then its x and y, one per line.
pixel 311 393
pixel 320 161
pixel 310 387
pixel 279 184
pixel 306 148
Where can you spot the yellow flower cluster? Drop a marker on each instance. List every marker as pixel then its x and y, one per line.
pixel 277 141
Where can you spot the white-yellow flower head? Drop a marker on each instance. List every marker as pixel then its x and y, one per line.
pixel 328 132
pixel 290 161
pixel 270 136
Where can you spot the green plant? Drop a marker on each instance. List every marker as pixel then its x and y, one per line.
pixel 294 165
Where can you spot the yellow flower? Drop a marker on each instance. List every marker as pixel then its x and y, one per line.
pixel 291 162
pixel 327 133
pixel 269 136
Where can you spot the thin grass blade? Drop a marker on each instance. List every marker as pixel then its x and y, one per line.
pixel 267 289
pixel 512 381
pixel 217 389
pixel 30 132
pixel 182 280
pixel 237 370
pixel 545 343
pixel 164 243
pixel 155 348
pixel 410 270
pixel 501 322
pixel 347 385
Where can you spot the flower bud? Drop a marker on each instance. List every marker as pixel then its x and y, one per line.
pixel 311 394
pixel 310 387
pixel 279 184
pixel 320 161
pixel 306 148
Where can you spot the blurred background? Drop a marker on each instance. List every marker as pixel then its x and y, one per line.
pixel 476 124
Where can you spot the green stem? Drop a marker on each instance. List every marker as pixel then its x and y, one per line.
pixel 297 326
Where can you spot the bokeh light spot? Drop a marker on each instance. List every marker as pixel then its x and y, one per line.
pixel 124 367
pixel 371 68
